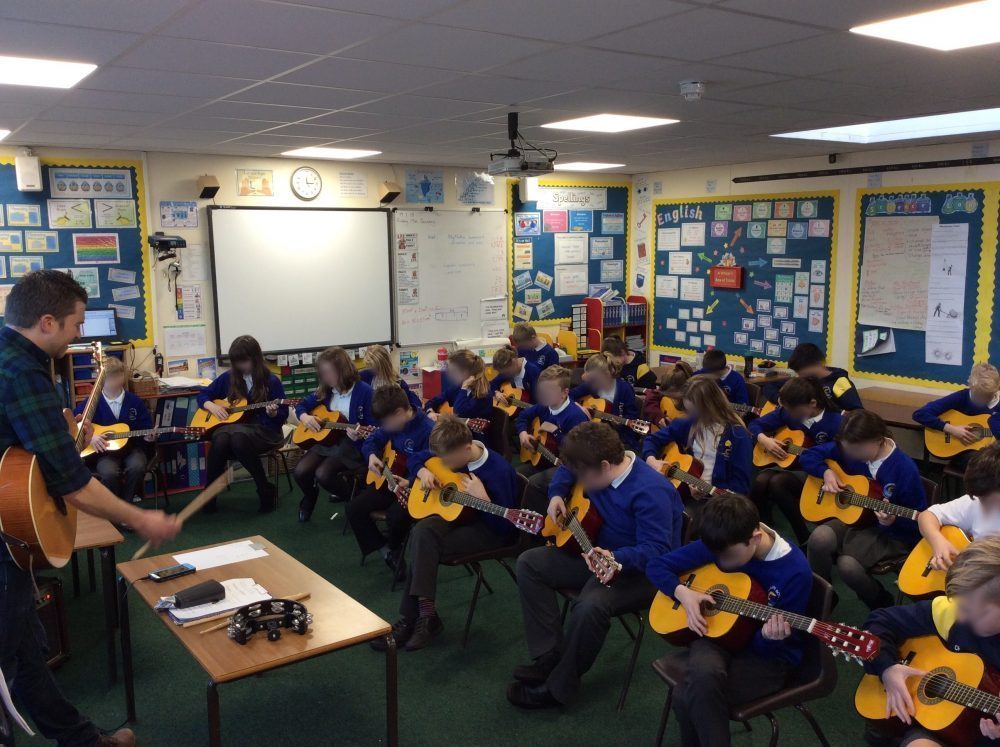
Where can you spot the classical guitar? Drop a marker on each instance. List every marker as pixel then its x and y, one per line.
pixel 599 411
pixel 451 503
pixel 332 426
pixel 118 434
pixel 477 425
pixel 514 398
pixel 792 441
pixel 684 471
pixel 579 525
pixel 916 578
pixel 45 528
pixel 944 445
pixel 236 409
pixel 745 410
pixel 669 406
pixel 957 691
pixel 853 504
pixel 392 461
pixel 740 607
pixel 544 446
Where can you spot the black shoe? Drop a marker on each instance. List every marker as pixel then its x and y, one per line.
pixel 885 599
pixel 402 630
pixel 530 697
pixel 426 629
pixel 397 565
pixel 268 500
pixel 306 507
pixel 537 672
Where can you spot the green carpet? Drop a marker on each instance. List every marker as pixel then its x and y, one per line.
pixel 446 693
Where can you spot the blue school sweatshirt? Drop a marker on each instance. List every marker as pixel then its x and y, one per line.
pixel 544 357
pixel 413 442
pixel 820 432
pixel 219 389
pixel 623 404
pixel 463 404
pixel 898 476
pixel 500 480
pixel 840 390
pixel 368 376
pixel 566 419
pixel 528 380
pixel 733 385
pixel 134 413
pixel 787 580
pixel 732 461
pixel 642 514
pixel 360 407
pixel 929 415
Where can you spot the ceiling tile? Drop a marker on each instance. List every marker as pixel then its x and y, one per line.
pixel 422 106
pixel 816 55
pixel 843 15
pixel 367 75
pixel 367 120
pixel 406 9
pixel 232 125
pixel 327 132
pixel 288 142
pixel 63 42
pixel 577 66
pixel 315 97
pixel 191 56
pixel 508 91
pixel 42 127
pixel 135 80
pixel 264 112
pixel 140 16
pixel 138 102
pixel 107 116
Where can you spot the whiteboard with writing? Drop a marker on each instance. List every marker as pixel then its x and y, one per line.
pixel 449 264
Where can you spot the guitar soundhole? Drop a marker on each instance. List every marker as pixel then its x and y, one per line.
pixel 934 684
pixel 839 499
pixel 446 493
pixel 714 591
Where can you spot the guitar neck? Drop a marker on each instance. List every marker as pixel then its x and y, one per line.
pixel 687 478
pixel 91 406
pixel 143 432
pixel 875 504
pixel 943 686
pixel 336 425
pixel 466 499
pixel 545 452
pixel 574 525
pixel 760 612
pixel 744 409
pixel 608 417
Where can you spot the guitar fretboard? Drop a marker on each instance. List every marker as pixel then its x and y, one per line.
pixel 608 417
pixel 943 686
pixel 95 393
pixel 545 452
pixel 574 526
pixel 115 436
pixel 336 425
pixel 687 478
pixel 449 493
pixel 875 504
pixel 744 409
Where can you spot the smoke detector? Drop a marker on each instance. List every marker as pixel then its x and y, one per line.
pixel 692 90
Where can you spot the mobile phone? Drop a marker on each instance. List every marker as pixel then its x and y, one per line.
pixel 171 572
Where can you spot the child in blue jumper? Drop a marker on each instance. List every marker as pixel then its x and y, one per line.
pixel 515 370
pixel 730 380
pixel 601 380
pixel 380 371
pixel 466 388
pixel 532 347
pixel 863 447
pixel 808 359
pixel 803 407
pixel 732 537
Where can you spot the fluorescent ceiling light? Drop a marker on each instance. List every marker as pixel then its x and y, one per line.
pixel 587 166
pixel 936 125
pixel 28 71
pixel 4 133
pixel 957 27
pixel 338 153
pixel 609 123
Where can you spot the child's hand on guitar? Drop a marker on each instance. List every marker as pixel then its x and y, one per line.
pixel 883 518
pixel 962 432
pixel 220 413
pixel 427 479
pixel 99 443
pixel 433 415
pixel 776 628
pixel 898 700
pixel 311 422
pixel 557 510
pixel 527 440
pixel 832 483
pixel 942 553
pixel 989 728
pixel 772 446
pixel 354 434
pixel 88 431
pixel 375 464
pixel 271 408
pixel 692 601
pixel 474 486
pixel 501 399
pixel 658 464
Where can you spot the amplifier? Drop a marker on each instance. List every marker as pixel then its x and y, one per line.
pixel 52 612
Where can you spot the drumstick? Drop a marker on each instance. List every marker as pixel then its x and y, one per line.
pixel 292 597
pixel 196 505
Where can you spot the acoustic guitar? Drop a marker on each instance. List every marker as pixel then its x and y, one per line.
pixel 451 503
pixel 740 608
pixel 916 578
pixel 745 410
pixel 792 441
pixel 852 505
pixel 957 691
pixel 575 533
pixel 477 425
pixel 944 445
pixel 393 462
pixel 599 410
pixel 237 410
pixel 545 446
pixel 44 528
pixel 332 427
pixel 515 399
pixel 669 406
pixel 118 434
pixel 685 472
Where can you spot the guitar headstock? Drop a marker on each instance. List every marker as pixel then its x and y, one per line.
pixel 191 432
pixel 639 426
pixel 527 521
pixel 479 425
pixel 857 645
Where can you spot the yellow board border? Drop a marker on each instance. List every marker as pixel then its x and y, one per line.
pixel 987 262
pixel 831 270
pixel 140 197
pixel 570 183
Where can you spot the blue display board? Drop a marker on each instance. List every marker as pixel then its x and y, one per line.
pixel 569 243
pixel 915 354
pixel 778 252
pixel 88 220
pixel 987 297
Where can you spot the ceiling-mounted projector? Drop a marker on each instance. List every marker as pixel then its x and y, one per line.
pixel 523 158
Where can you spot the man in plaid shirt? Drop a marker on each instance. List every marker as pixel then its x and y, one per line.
pixel 45 311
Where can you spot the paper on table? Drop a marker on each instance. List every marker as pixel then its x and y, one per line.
pixel 212 557
pixel 8 705
pixel 239 593
pixel 182 382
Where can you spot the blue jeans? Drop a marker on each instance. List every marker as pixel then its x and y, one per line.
pixel 23 655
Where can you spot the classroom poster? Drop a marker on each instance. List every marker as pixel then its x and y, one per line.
pixel 255 182
pixel 474 188
pixel 178 214
pixel 425 187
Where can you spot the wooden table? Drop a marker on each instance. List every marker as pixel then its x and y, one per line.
pixel 894 405
pixel 92 534
pixel 338 622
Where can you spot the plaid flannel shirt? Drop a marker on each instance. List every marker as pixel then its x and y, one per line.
pixel 31 414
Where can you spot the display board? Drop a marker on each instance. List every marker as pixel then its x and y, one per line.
pixel 987 296
pixel 451 271
pixel 301 278
pixel 88 220
pixel 917 282
pixel 751 275
pixel 569 243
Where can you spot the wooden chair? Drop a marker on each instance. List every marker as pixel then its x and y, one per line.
pixel 154 471
pixel 756 395
pixel 815 677
pixel 278 457
pixel 496 436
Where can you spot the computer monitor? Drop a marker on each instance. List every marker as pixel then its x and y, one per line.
pixel 99 324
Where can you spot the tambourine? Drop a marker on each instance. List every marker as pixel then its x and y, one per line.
pixel 271 615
